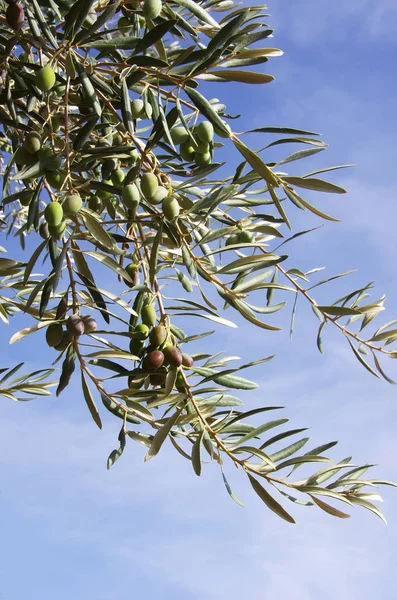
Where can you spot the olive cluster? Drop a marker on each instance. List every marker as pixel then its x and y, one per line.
pixel 59 338
pixel 55 213
pixel 195 145
pixel 156 350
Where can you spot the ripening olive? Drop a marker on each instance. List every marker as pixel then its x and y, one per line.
pixel 75 325
pixel 90 324
pixel 108 166
pixel 45 79
pixel 54 334
pixel 170 208
pixel 53 213
pixel 173 356
pixel 153 360
pixel 187 361
pixel 72 204
pixel 149 184
pixel 148 315
pixel 179 135
pixel 32 142
pixel 25 200
pixel 137 108
pixel 158 378
pixel 95 204
pixel 158 335
pixel 64 343
pixel 15 16
pixel 23 157
pixel 204 131
pixel 43 230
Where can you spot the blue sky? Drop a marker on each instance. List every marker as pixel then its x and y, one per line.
pixel 72 529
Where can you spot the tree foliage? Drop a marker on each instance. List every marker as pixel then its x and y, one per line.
pixel 111 144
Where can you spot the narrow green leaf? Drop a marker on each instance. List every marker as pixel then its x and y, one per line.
pixel 269 500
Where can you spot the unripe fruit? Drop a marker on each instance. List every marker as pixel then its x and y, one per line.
pixel 123 23
pixel 133 271
pixel 26 200
pixel 205 131
pixel 147 113
pixel 149 184
pixel 173 356
pixel 108 166
pixel 171 208
pixel 53 213
pixel 233 239
pixel 54 334
pixel 187 151
pixel 72 204
pixel 62 308
pixel 90 324
pixel 66 340
pixel 202 160
pixel 180 382
pixel 136 347
pixel 43 230
pixel 49 160
pixel 159 196
pixel 103 194
pixel 179 135
pixel 32 142
pixel 55 179
pixel 187 361
pixel 158 335
pixel 134 154
pixel 57 231
pixel 130 196
pixel 153 360
pixel 75 325
pixel 15 16
pixel 148 315
pixel 141 332
pixel 45 79
pixel 245 237
pixel 117 177
pixel 152 8
pixel 95 204
pixel 137 108
pixel 23 157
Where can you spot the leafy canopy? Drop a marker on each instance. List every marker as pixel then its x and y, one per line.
pixel 111 142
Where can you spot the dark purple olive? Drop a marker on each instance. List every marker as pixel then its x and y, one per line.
pixel 173 356
pixel 90 324
pixel 15 16
pixel 44 231
pixel 187 361
pixel 75 325
pixel 158 378
pixel 153 360
pixel 62 308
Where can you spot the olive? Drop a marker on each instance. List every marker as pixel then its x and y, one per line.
pixel 187 361
pixel 53 213
pixel 202 160
pixel 72 204
pixel 32 142
pixel 75 325
pixel 245 237
pixel 171 208
pixel 95 204
pixel 57 231
pixel 136 346
pixel 43 230
pixel 232 240
pixel 90 324
pixel 64 343
pixel 54 334
pixel 133 271
pixel 108 166
pixel 45 79
pixel 55 179
pixel 204 131
pixel 159 196
pixel 148 315
pixel 153 360
pixel 117 177
pixel 137 108
pixel 149 184
pixel 141 332
pixel 158 378
pixel 173 356
pixel 158 335
pixel 187 151
pixel 152 8
pixel 179 135
pixel 15 16
pixel 130 196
